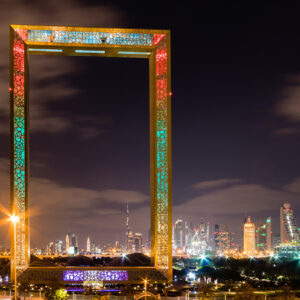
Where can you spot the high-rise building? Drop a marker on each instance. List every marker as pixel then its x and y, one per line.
pixel 50 249
pixel 138 242
pixel 127 228
pixel 223 239
pixel 249 236
pixel 88 245
pixel 68 242
pixel 71 243
pixel 217 238
pixel 263 236
pixel 179 234
pixel 269 234
pixel 93 248
pixel 74 241
pixel 58 247
pixel 204 231
pixel 130 242
pixel 288 229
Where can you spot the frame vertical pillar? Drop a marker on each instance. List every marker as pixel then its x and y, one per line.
pixel 19 149
pixel 161 161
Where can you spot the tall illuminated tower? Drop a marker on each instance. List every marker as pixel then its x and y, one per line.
pixel 249 236
pixel 68 241
pixel 288 228
pixel 154 45
pixel 127 227
pixel 138 245
pixel 263 235
pixel 269 234
pixel 179 234
pixel 88 245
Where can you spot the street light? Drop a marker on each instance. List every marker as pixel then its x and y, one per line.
pixel 15 219
pixel 145 285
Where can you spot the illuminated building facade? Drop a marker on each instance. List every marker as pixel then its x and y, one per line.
pixel 68 241
pixel 290 250
pixel 71 243
pixel 288 229
pixel 127 228
pixel 130 242
pixel 153 45
pixel 179 234
pixel 80 276
pixel 88 245
pixel 249 236
pixel 58 247
pixel 138 246
pixel 263 235
pixel 223 239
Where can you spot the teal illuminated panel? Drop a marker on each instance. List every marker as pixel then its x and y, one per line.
pixel 45 50
pixel 90 37
pixel 89 51
pixel 134 53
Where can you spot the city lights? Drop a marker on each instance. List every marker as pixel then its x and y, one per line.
pixel 230 232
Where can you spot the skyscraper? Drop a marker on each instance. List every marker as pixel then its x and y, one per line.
pixel 179 234
pixel 127 229
pixel 130 242
pixel 269 234
pixel 138 242
pixel 249 236
pixel 88 245
pixel 74 241
pixel 68 242
pixel 263 235
pixel 288 229
pixel 217 238
pixel 223 238
pixel 58 247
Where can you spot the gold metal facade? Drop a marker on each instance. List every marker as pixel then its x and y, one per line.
pixel 74 41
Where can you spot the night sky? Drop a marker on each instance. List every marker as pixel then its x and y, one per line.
pixel 235 118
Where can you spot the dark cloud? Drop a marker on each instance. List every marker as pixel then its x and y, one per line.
pixel 212 184
pixel 286 131
pixel 289 105
pixel 64 13
pixel 54 206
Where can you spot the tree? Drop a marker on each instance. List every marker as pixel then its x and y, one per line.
pixel 60 294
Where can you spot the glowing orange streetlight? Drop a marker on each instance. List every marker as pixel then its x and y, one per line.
pixel 14 220
pixel 145 285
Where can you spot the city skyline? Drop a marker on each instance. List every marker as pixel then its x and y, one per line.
pixel 194 240
pixel 234 139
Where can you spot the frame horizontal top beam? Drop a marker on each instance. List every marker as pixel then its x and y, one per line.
pixel 81 36
pixel 100 29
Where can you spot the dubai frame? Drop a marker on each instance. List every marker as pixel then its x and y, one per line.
pixel 106 42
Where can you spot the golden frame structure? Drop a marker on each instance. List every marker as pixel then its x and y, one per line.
pixel 108 42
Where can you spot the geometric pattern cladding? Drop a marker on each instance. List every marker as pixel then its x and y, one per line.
pixel 49 40
pixel 94 275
